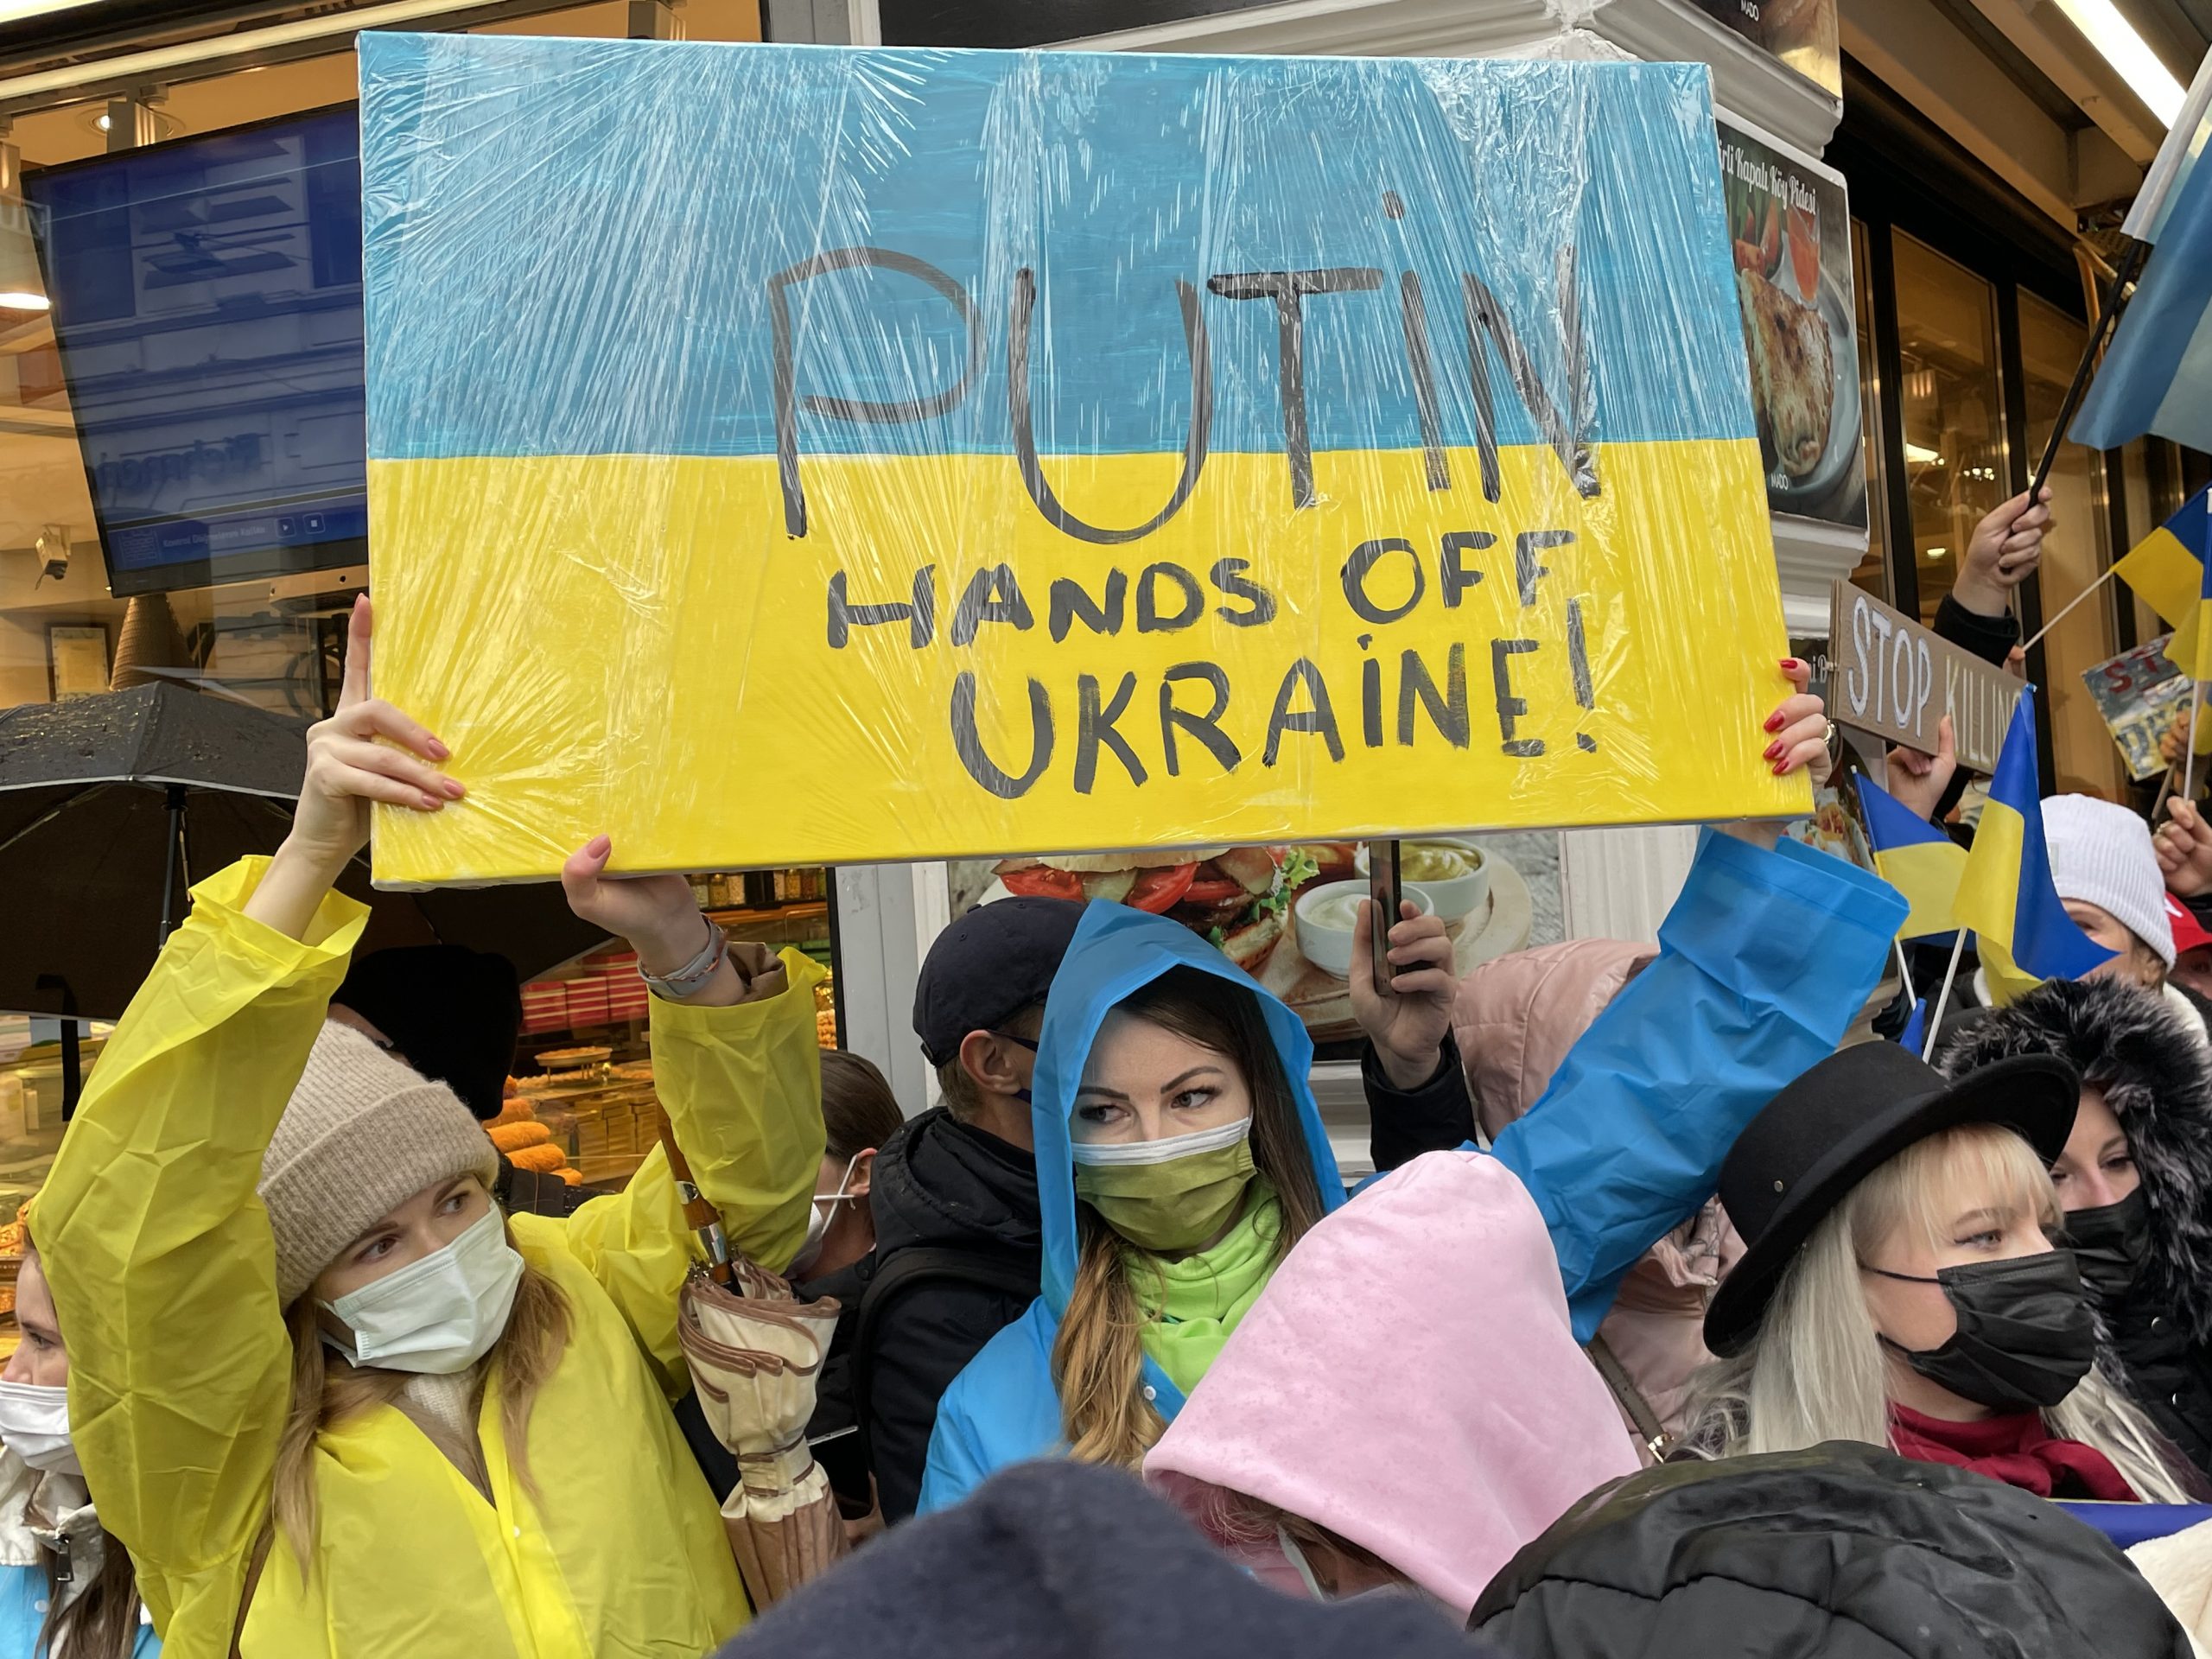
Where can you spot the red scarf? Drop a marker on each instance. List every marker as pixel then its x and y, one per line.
pixel 2016 1449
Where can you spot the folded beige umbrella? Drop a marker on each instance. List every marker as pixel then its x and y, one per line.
pixel 754 1358
pixel 756 1353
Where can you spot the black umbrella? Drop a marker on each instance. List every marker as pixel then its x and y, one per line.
pixel 113 807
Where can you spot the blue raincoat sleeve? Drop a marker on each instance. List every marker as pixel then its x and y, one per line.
pixel 1763 962
pixel 1001 1409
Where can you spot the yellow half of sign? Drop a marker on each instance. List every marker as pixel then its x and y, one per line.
pixel 633 644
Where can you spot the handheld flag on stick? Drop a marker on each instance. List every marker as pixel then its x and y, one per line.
pixel 1914 1035
pixel 1913 856
pixel 2170 571
pixel 2005 894
pixel 2157 375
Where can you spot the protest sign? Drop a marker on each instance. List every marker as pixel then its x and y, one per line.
pixel 2138 692
pixel 1890 675
pixel 796 454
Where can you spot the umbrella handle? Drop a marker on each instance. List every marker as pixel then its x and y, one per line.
pixel 699 1211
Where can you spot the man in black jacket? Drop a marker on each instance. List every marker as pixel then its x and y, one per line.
pixel 959 1181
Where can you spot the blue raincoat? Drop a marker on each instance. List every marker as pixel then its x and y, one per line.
pixel 1763 962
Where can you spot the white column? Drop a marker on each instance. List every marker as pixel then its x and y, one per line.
pixel 888 917
pixel 1620 884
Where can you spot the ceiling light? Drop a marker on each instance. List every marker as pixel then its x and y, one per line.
pixel 1920 455
pixel 2119 44
pixel 1937 552
pixel 20 302
pixel 165 124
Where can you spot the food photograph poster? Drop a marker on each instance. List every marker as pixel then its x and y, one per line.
pixel 1286 914
pixel 1789 235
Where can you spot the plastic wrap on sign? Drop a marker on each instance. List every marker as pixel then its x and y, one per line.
pixel 789 455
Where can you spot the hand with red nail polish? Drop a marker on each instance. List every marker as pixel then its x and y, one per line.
pixel 1801 726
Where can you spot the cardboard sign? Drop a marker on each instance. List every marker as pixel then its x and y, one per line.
pixel 1890 675
pixel 786 455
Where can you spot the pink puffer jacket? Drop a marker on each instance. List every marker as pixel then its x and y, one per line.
pixel 1515 1019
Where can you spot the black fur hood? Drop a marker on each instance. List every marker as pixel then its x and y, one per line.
pixel 2157 1077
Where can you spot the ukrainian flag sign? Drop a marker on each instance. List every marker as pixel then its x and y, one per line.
pixel 790 453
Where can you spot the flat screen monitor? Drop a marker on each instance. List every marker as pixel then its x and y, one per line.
pixel 206 305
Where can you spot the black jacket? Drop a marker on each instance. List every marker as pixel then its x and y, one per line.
pixel 1841 1551
pixel 2158 1080
pixel 1403 1123
pixel 940 1183
pixel 1068 1560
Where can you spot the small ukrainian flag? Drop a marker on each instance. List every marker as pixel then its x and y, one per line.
pixel 2170 571
pixel 2005 894
pixel 1913 856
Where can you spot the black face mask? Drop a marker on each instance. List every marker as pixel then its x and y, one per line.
pixel 2110 1244
pixel 2026 1337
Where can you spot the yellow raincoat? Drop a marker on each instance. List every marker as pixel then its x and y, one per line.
pixel 164 1276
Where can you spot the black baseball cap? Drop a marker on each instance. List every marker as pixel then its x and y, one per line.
pixel 987 967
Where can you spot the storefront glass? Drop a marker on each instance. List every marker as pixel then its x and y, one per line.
pixel 2074 556
pixel 1952 399
pixel 1873 571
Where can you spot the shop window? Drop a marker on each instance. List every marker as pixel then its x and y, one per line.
pixel 583 1082
pixel 2075 553
pixel 1952 398
pixel 1873 571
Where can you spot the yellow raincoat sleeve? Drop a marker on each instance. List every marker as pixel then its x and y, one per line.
pixel 742 1088
pixel 162 1263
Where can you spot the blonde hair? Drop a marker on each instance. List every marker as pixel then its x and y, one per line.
pixel 1098 1354
pixel 328 1389
pixel 1817 1371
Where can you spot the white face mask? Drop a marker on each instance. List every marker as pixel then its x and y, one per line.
pixel 1110 1154
pixel 34 1424
pixel 817 1221
pixel 441 1314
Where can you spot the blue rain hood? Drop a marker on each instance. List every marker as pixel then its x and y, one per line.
pixel 1115 953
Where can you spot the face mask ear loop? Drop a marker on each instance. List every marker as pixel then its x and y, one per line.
pixel 1296 1557
pixel 844 1184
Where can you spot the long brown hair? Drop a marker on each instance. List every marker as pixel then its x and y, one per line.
pixel 327 1390
pixel 101 1620
pixel 1098 1356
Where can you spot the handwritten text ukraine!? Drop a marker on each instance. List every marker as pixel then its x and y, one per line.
pixel 1169 597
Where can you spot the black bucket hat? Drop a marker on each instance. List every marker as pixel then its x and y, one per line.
pixel 1836 1125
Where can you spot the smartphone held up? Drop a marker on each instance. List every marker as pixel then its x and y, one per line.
pixel 1387 892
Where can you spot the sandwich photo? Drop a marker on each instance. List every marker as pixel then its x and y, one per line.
pixel 1238 896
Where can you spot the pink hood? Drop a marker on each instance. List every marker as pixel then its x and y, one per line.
pixel 1515 1019
pixel 1410 1381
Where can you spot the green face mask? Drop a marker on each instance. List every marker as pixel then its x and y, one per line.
pixel 1168 1195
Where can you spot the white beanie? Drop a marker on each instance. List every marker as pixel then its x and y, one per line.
pixel 2101 854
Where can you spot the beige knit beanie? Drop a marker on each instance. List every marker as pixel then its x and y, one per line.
pixel 362 1135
